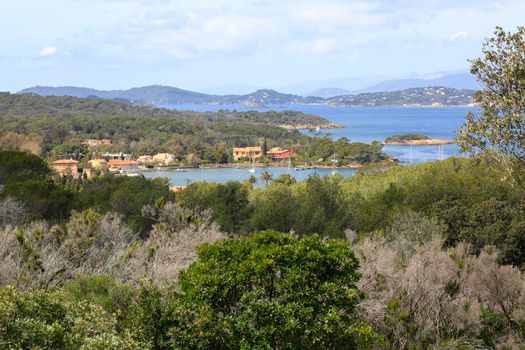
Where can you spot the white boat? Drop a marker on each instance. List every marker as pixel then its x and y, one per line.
pixel 252 170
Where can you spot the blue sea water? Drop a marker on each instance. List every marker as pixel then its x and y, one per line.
pixel 363 124
pixel 222 175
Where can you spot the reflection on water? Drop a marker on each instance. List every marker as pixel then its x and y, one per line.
pixel 222 175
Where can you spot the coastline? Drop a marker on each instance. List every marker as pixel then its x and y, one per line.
pixel 310 126
pixel 430 142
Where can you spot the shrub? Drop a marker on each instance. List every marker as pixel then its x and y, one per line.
pixel 270 291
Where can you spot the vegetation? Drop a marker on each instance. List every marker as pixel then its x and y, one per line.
pixel 342 152
pixel 419 257
pixel 63 123
pixel 427 96
pixel 405 137
pixel 498 129
pixel 272 301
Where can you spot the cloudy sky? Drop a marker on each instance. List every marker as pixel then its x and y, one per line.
pixel 204 43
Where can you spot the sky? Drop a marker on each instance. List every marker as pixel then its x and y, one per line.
pixel 198 44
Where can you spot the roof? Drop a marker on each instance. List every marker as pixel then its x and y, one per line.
pixel 121 162
pixel 65 162
pixel 276 150
pixel 285 154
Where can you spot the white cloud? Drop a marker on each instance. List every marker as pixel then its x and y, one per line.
pixel 323 45
pixel 458 36
pixel 48 51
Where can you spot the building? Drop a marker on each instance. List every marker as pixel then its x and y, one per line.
pixel 163 158
pixel 99 164
pixel 117 165
pixel 278 153
pixel 92 143
pixel 66 167
pixel 116 156
pixel 145 160
pixel 254 153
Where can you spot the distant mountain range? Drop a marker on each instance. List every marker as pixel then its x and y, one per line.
pixel 452 79
pixel 166 95
pixel 456 81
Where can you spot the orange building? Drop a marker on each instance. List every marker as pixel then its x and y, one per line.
pixel 66 167
pixel 247 152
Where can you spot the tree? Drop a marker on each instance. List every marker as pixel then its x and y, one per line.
pixel 284 179
pixel 499 129
pixel 252 180
pixel 267 177
pixel 270 291
pixel 20 166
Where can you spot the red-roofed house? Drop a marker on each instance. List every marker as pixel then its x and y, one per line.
pixel 278 153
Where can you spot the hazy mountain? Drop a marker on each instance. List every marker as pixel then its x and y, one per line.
pixel 456 81
pixel 329 92
pixel 155 94
pixel 349 84
pixel 165 95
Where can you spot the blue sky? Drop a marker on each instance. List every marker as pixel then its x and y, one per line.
pixel 197 44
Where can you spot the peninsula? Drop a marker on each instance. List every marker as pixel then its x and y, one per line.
pixel 415 140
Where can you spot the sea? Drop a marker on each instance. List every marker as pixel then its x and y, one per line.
pixel 360 124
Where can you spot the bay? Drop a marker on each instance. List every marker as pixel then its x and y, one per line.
pixel 360 124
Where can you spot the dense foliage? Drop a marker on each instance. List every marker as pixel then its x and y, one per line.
pixel 280 290
pixel 57 127
pixel 342 152
pixel 405 137
pixel 498 128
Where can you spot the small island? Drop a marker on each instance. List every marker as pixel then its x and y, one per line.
pixel 415 140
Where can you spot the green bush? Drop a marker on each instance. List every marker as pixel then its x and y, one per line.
pixel 41 320
pixel 21 166
pixel 270 291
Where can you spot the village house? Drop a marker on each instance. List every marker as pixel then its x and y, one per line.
pixel 163 158
pixel 117 165
pixel 278 153
pixel 66 167
pixel 99 164
pixel 254 153
pixel 116 156
pixel 92 143
pixel 145 160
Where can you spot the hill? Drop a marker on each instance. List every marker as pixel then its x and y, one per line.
pixel 165 95
pixel 428 96
pixel 30 105
pixel 455 81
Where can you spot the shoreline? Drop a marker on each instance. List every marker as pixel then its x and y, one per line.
pixel 430 142
pixel 391 162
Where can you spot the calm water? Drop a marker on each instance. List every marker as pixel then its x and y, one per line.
pixel 359 124
pixel 223 175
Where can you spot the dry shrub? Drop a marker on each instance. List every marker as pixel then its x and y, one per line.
pixel 11 211
pixel 171 246
pixel 39 255
pixel 429 296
